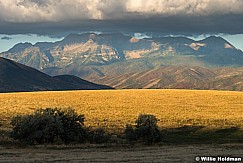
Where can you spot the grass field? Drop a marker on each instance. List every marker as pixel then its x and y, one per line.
pixel 113 109
pixel 218 111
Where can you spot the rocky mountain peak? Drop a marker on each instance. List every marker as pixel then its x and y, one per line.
pixel 19 47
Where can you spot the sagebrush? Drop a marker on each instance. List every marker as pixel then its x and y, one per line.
pixel 49 125
pixel 146 129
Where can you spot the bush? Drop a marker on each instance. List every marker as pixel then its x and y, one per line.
pixel 97 136
pixel 73 127
pixel 146 129
pixel 1 132
pixel 49 125
pixel 130 133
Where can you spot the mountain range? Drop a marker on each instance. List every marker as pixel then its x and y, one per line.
pixel 179 77
pixel 127 62
pixel 105 49
pixel 15 77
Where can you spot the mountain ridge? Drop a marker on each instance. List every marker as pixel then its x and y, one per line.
pixel 178 77
pixel 15 77
pixel 104 49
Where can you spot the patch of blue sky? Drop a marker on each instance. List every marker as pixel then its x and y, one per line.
pixel 6 44
pixel 236 40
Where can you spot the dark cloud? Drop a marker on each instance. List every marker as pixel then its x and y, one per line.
pixel 6 38
pixel 229 24
pixel 59 17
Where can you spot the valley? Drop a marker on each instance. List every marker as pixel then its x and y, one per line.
pixel 121 81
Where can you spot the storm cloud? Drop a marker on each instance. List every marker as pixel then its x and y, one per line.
pixel 45 17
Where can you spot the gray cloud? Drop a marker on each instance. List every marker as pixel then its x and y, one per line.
pixel 62 10
pixel 52 17
pixel 6 38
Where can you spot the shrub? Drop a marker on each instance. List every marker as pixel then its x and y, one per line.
pixel 130 133
pixel 97 136
pixel 73 127
pixel 146 129
pixel 1 132
pixel 48 125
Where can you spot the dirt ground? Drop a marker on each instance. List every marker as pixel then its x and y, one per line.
pixel 159 153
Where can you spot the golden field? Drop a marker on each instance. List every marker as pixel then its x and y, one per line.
pixel 113 109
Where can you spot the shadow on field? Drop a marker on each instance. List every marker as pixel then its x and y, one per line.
pixel 201 135
pixel 175 136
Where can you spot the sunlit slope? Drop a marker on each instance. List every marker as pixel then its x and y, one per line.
pixel 113 109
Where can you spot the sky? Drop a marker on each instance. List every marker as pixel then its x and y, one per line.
pixel 50 20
